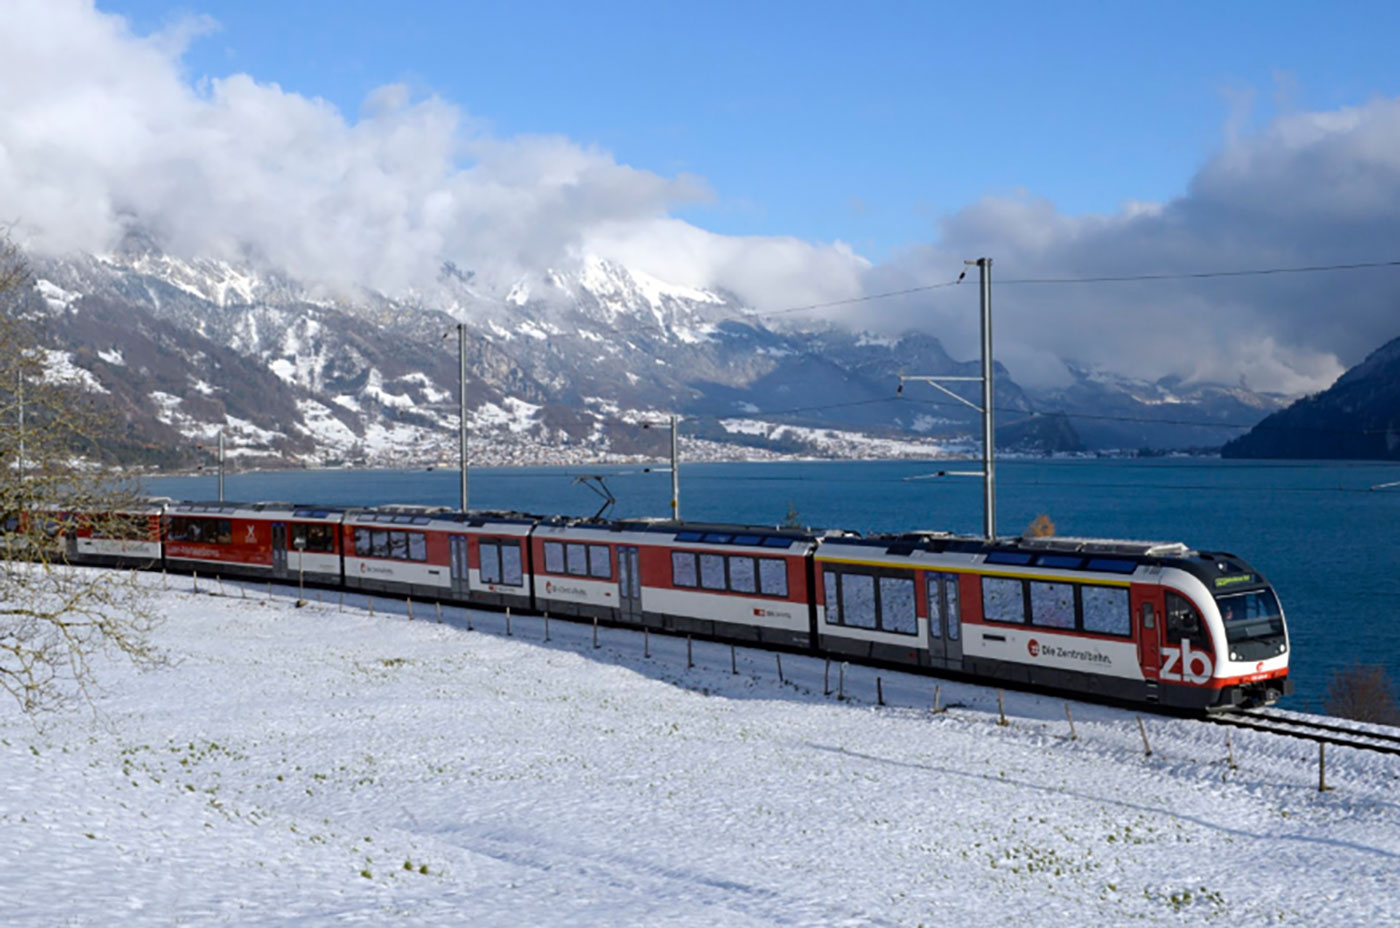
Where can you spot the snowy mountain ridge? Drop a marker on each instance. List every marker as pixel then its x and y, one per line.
pixel 306 373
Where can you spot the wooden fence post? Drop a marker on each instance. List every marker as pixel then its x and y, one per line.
pixel 937 698
pixel 841 681
pixel 595 631
pixel 879 691
pixel 689 654
pixel 508 632
pixel 409 601
pixel 1001 708
pixel 1142 729
pixel 646 642
pixel 546 626
pixel 733 661
pixel 826 678
pixel 195 573
pixel 780 668
pixel 437 608
pixel 1322 786
pixel 1069 718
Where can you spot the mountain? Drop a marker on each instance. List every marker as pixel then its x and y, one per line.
pixel 564 368
pixel 1111 411
pixel 1358 417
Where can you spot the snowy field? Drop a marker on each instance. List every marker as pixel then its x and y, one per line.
pixel 319 767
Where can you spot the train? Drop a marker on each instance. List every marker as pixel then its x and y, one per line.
pixel 1156 624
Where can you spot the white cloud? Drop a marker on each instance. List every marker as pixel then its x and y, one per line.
pixel 103 131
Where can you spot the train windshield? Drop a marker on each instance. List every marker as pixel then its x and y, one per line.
pixel 1253 624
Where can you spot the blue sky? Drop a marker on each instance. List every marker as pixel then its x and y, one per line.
pixel 783 153
pixel 865 123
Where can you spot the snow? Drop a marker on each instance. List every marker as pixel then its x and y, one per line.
pixel 329 432
pixel 314 766
pixel 56 297
pixel 514 415
pixel 60 369
pixel 113 357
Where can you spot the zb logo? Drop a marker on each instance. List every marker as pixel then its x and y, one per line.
pixel 1184 664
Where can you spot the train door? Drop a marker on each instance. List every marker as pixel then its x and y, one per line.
pixel 1147 613
pixel 629 585
pixel 457 555
pixel 279 549
pixel 944 620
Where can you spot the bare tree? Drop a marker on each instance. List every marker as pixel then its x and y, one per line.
pixel 55 619
pixel 1362 692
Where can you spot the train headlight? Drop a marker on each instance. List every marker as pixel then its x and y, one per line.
pixel 1234 656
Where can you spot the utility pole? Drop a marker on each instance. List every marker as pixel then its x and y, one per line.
pixel 989 480
pixel 221 465
pixel 462 408
pixel 674 426
pixel 988 471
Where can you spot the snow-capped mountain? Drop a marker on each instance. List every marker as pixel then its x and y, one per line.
pixel 563 368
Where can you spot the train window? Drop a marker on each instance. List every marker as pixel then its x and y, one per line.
pixel 935 605
pixel 1003 600
pixel 1182 620
pixel 362 542
pixel 833 605
pixel 897 611
pixel 512 574
pixel 954 613
pixel 1106 610
pixel 313 537
pixel 748 539
pixel 417 546
pixel 1052 604
pixel 743 576
pixel 689 536
pixel 554 557
pixel 1009 557
pixel 718 538
pixel 858 600
pixel 772 576
pixel 683 571
pixel 398 545
pixel 379 543
pixel 773 541
pixel 577 558
pixel 712 571
pixel 490 562
pixel 599 561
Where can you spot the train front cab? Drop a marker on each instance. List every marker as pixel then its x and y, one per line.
pixel 1212 636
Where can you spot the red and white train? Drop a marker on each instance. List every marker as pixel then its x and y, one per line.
pixel 1142 622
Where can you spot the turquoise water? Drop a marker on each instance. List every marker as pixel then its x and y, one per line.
pixel 1329 544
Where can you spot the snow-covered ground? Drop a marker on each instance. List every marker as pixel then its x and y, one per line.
pixel 317 766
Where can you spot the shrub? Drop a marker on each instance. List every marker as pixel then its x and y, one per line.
pixel 1363 693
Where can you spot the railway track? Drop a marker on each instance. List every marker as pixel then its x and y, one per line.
pixel 1326 732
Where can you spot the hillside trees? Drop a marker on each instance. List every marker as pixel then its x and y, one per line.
pixel 56 621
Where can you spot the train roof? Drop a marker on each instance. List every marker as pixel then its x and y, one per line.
pixel 1220 571
pixel 426 515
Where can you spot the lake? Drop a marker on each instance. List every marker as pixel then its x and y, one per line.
pixel 1325 540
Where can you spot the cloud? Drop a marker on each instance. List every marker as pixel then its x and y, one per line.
pixel 102 130
pixel 1308 189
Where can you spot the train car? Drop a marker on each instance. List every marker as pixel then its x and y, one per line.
pixel 439 553
pixel 130 538
pixel 281 541
pixel 734 582
pixel 1145 622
